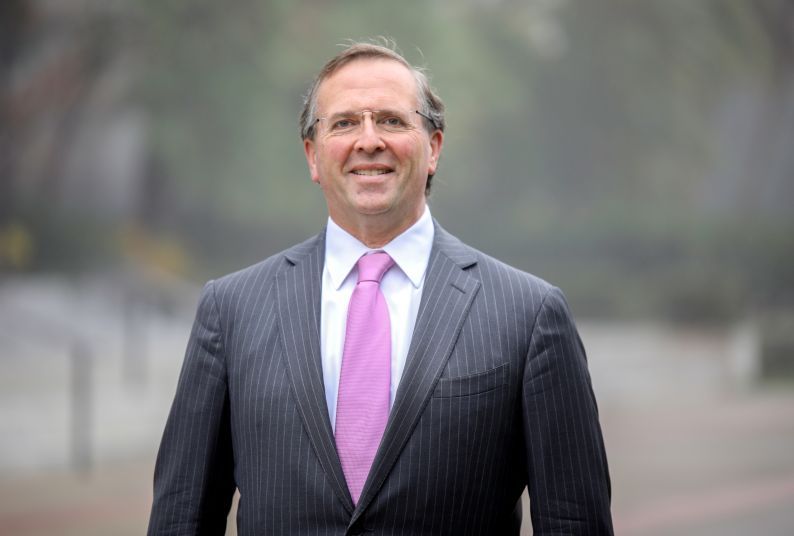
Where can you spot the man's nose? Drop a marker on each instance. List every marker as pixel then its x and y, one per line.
pixel 369 137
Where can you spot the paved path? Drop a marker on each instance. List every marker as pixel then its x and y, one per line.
pixel 723 468
pixel 695 447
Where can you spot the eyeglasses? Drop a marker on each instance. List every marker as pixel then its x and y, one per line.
pixel 384 121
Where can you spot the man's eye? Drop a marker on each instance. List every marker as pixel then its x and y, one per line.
pixel 393 122
pixel 342 124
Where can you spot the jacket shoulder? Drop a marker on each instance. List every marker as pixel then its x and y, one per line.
pixel 262 273
pixel 490 270
pixel 511 272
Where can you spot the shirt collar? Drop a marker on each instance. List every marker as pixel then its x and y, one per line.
pixel 410 250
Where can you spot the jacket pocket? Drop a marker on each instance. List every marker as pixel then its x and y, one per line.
pixel 482 382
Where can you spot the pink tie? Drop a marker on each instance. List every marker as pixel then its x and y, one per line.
pixel 362 406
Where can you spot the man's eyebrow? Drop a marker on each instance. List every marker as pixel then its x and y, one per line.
pixel 349 113
pixel 345 113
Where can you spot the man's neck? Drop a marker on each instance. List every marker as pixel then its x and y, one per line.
pixel 375 232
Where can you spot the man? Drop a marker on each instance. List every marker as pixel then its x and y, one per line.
pixel 381 377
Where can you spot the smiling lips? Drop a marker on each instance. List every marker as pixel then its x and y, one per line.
pixel 372 171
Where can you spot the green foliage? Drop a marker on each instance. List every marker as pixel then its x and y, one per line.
pixel 582 141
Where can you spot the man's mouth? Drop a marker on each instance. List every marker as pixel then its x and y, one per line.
pixel 371 172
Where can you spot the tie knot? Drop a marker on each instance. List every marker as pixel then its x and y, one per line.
pixel 372 267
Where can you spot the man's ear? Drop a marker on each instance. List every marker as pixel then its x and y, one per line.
pixel 436 142
pixel 311 159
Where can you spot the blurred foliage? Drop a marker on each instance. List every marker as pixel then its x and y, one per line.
pixel 156 253
pixel 632 153
pixel 777 347
pixel 16 246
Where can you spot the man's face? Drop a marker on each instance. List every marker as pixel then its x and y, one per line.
pixel 371 173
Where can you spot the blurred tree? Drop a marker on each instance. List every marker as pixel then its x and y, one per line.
pixel 643 149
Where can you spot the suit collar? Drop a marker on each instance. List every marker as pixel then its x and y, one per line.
pixel 305 249
pixel 456 251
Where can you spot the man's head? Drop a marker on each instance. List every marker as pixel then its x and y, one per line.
pixel 430 104
pixel 372 130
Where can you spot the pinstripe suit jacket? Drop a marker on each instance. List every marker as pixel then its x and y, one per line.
pixel 495 396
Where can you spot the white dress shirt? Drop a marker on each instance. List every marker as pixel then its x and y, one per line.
pixel 401 286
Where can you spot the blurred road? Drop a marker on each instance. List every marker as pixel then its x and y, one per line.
pixel 696 446
pixel 723 468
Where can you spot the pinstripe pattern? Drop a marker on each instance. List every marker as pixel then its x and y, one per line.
pixel 495 396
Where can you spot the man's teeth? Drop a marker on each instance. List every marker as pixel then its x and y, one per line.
pixel 371 171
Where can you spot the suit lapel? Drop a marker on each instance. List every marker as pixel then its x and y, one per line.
pixel 446 298
pixel 299 293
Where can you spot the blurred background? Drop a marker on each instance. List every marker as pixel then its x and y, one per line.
pixel 640 155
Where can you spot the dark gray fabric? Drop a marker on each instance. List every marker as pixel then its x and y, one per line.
pixel 495 396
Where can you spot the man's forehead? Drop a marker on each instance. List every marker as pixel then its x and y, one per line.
pixel 367 82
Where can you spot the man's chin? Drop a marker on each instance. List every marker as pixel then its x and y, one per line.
pixel 372 203
pixel 373 209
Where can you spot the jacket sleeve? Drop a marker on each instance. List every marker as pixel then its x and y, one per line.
pixel 568 478
pixel 193 476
